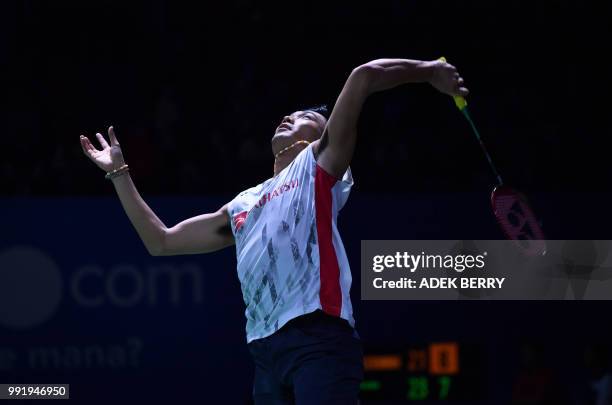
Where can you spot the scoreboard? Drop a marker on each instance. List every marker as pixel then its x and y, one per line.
pixel 430 372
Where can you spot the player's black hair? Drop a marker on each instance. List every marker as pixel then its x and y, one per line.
pixel 321 109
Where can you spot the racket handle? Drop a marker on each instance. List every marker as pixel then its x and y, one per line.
pixel 460 101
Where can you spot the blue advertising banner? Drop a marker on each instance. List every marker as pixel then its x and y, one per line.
pixel 83 303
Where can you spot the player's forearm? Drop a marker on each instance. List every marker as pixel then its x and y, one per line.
pixel 149 227
pixel 371 77
pixel 383 74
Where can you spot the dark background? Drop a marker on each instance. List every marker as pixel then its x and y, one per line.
pixel 195 91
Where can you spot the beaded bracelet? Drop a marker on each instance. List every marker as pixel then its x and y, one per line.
pixel 117 172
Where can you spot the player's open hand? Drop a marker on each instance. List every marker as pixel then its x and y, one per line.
pixel 107 159
pixel 446 79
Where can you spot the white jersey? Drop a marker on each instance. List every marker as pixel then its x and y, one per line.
pixel 291 260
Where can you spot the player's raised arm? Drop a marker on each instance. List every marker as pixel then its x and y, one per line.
pixel 335 149
pixel 200 234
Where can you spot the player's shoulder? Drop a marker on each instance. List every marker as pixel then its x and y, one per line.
pixel 307 155
pixel 315 145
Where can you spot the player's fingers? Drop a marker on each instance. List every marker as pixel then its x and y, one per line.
pixel 102 141
pixel 112 136
pixel 99 136
pixel 82 143
pixel 89 146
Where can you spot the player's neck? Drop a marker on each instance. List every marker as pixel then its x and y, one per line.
pixel 287 154
pixel 283 160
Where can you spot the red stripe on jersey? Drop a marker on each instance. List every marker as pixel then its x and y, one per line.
pixel 330 293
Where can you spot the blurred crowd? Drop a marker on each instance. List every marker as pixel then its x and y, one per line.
pixel 195 92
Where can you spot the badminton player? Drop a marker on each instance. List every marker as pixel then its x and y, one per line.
pixel 292 266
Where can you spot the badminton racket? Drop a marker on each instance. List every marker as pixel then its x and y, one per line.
pixel 510 207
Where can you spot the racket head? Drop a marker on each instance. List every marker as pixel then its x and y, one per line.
pixel 518 221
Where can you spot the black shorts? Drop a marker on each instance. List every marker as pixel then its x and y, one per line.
pixel 313 359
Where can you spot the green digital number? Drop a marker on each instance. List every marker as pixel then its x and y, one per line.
pixel 418 388
pixel 444 383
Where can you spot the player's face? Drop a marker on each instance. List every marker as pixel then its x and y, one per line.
pixel 301 125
